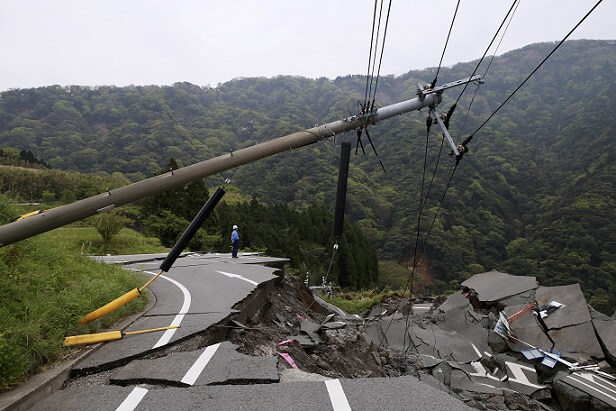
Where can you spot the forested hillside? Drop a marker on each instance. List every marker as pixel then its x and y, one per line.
pixel 534 196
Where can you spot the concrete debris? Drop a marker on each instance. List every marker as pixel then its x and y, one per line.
pixel 575 310
pixel 577 342
pixel 493 286
pixel 606 331
pixel 454 346
pixel 584 391
pixel 335 325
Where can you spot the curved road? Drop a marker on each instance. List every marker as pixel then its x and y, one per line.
pixel 147 372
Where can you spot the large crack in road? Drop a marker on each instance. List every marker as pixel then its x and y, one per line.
pixel 253 337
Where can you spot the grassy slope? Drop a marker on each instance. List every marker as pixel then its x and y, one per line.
pixel 46 286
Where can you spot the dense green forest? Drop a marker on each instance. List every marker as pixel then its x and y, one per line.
pixel 535 195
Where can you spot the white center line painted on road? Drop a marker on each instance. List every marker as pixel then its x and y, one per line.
pixel 197 368
pixel 166 337
pixel 337 396
pixel 137 394
pixel 238 277
pixel 133 399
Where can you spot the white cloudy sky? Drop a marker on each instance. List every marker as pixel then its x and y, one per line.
pixel 121 42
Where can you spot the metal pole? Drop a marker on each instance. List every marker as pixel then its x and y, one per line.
pixel 66 214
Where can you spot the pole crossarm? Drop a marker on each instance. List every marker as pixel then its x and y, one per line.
pixel 69 213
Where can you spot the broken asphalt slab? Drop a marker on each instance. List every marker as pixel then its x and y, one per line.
pixel 493 286
pixel 575 310
pixel 223 365
pixel 584 391
pixel 606 331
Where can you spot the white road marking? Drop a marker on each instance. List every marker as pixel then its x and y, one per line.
pixel 518 374
pixel 239 277
pixel 133 399
pixel 337 396
pixel 579 380
pixel 137 394
pixel 166 337
pixel 197 368
pixel 476 350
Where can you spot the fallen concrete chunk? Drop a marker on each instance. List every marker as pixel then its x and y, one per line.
pixel 526 328
pixel 493 285
pixel 469 324
pixel 606 330
pixel 328 318
pixel 460 380
pixel 426 361
pixel 306 340
pixel 575 310
pixel 454 301
pixel 309 327
pixel 432 340
pixel 334 325
pixel 584 391
pixel 578 342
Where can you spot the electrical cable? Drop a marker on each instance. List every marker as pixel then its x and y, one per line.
pixel 378 73
pixel 485 73
pixel 445 48
pixel 487 48
pixel 535 70
pixel 376 44
pixel 370 57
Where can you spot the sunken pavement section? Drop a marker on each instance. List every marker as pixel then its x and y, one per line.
pixel 252 337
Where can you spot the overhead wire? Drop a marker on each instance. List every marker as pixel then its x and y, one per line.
pixel 416 254
pixel 370 57
pixel 440 63
pixel 378 73
pixel 485 73
pixel 376 44
pixel 534 71
pixel 487 48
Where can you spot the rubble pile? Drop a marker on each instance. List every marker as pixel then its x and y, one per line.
pixel 502 342
pixel 504 334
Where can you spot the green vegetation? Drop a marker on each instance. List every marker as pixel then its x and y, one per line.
pixel 535 195
pixel 108 226
pixel 86 240
pixel 358 302
pixel 45 288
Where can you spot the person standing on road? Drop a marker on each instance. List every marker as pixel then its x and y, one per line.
pixel 235 240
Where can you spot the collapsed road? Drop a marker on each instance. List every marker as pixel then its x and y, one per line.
pixel 550 346
pixel 251 337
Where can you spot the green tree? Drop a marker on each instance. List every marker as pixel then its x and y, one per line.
pixel 109 225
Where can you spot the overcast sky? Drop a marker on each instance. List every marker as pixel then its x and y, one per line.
pixel 122 42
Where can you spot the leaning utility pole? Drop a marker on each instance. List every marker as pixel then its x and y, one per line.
pixel 66 214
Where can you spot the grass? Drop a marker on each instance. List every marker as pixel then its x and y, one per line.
pixel 357 302
pixel 46 286
pixel 86 240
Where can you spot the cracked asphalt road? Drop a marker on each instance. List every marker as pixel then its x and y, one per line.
pixel 191 368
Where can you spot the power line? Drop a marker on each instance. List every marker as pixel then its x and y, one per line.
pixel 376 45
pixel 534 71
pixel 445 48
pixel 486 52
pixel 485 73
pixel 378 73
pixel 370 55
